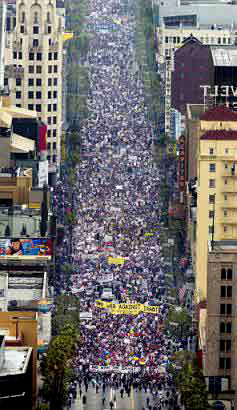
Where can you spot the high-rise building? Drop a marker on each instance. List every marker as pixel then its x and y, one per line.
pixel 216 187
pixel 35 48
pixel 217 323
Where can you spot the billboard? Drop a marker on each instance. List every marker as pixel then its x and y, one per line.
pixel 26 247
pixel 43 173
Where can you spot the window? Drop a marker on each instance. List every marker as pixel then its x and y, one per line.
pixel 39 56
pixel 36 30
pixel 30 106
pixel 229 327
pixel 54 133
pixel 50 56
pixel 31 69
pixel 225 212
pixel 225 327
pixel 226 182
pixel 225 346
pixel 54 120
pixel 219 40
pixel 14 55
pixel 167 40
pixel 30 82
pixel 5 81
pixel 23 15
pixel 49 94
pixel 224 40
pixel 212 183
pixel 49 108
pixel 225 197
pixel 50 69
pixel 225 309
pixel 55 81
pixel 54 158
pixel 36 43
pixel 48 146
pixel 55 56
pixel 226 166
pixel 212 167
pixel 55 94
pixel 49 133
pixel 49 29
pixel 226 274
pixel 210 229
pixel 49 120
pixel 226 291
pixel 225 228
pixel 211 199
pixel 36 18
pixel 18 81
pixel 48 17
pixel 54 107
pixel 38 82
pixel 54 145
pixel 38 107
pixel 22 29
pixel 49 82
pixel 38 69
pixel 18 105
pixel 38 95
pixel 211 214
pixel 211 151
pixel 18 94
pixel 222 327
pixel 50 41
pixel 48 157
pixel 226 150
pixel 31 56
pixel 31 94
pixel 20 55
pixel 229 40
pixel 55 70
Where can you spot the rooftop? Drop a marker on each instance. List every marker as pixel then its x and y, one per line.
pixel 16 360
pixel 219 135
pixel 194 111
pixel 219 113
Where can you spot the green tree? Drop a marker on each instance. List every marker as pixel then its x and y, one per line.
pixel 57 367
pixel 67 310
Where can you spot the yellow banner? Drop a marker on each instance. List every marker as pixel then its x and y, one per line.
pixel 151 309
pixel 116 261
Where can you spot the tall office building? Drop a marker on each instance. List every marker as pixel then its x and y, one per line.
pixel 216 186
pixel 35 46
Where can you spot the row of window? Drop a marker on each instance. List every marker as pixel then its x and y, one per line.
pixel 226 309
pixel 38 107
pixel 36 81
pixel 226 291
pixel 211 229
pixel 206 40
pixel 212 151
pixel 50 145
pixel 212 198
pixel 52 133
pixel 37 94
pixel 51 69
pixel 52 120
pixel 36 29
pixel 54 158
pixel 212 167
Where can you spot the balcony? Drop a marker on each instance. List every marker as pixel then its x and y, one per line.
pixel 231 204
pixel 228 188
pixel 231 220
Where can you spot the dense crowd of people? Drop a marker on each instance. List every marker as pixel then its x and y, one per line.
pixel 118 207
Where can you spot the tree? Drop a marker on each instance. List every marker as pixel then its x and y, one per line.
pixel 67 310
pixel 56 367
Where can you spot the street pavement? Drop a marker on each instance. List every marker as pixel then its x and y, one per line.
pixel 136 401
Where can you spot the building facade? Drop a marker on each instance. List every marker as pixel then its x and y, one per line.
pixel 216 186
pixel 218 341
pixel 35 45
